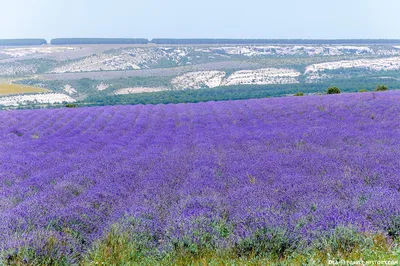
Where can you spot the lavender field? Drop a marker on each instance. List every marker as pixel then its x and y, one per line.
pixel 267 176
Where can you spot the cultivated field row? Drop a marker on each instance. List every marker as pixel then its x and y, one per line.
pixel 202 176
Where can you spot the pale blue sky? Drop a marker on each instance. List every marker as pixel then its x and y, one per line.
pixel 203 19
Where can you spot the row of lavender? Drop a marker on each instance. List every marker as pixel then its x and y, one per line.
pixel 225 170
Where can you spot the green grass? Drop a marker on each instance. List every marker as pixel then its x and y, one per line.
pixel 118 250
pixel 128 243
pixel 343 244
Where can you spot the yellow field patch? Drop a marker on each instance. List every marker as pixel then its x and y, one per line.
pixel 18 89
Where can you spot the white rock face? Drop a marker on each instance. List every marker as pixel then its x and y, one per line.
pixel 263 76
pixel 49 98
pixel 132 58
pixel 68 89
pixel 199 79
pixel 310 50
pixel 392 63
pixel 98 62
pixel 139 90
pixel 27 51
pixel 17 68
pixel 212 79
pixel 316 77
pixel 102 86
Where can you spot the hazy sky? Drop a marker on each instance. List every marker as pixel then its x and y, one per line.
pixel 204 19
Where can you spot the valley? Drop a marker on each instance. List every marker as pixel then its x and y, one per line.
pixel 103 71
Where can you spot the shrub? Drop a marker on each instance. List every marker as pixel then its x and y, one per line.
pixel 363 90
pixel 299 94
pixel 43 248
pixel 70 105
pixel 333 90
pixel 393 229
pixel 126 243
pixel 273 242
pixel 381 88
pixel 342 240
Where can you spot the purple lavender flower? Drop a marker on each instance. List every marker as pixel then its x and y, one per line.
pixel 210 173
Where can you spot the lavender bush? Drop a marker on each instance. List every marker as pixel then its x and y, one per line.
pixel 280 173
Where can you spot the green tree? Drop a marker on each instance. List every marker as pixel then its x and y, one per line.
pixel 333 90
pixel 381 88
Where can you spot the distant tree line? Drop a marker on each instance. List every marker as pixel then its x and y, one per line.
pixel 273 41
pixel 22 42
pixel 238 92
pixel 63 41
pixel 70 41
pixel 336 90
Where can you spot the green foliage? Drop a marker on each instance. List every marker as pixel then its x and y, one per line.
pixel 22 42
pixel 265 247
pixel 88 95
pixel 272 242
pixel 71 105
pixel 381 88
pixel 333 90
pixel 132 242
pixel 50 250
pixel 239 92
pixel 299 94
pixel 205 236
pixel 343 240
pixel 393 229
pixel 117 248
pixel 39 65
pixel 64 41
pixel 363 90
pixel 222 228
